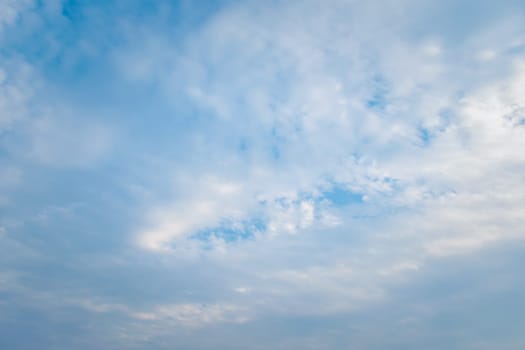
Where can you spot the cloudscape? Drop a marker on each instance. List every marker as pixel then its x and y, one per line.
pixel 251 174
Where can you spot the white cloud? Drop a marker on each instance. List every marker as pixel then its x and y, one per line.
pixel 315 134
pixel 431 146
pixel 195 315
pixel 172 315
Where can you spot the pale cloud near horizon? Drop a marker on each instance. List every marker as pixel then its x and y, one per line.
pixel 315 170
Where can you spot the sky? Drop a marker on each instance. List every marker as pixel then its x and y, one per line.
pixel 223 174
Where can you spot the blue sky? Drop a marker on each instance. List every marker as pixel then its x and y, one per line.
pixel 262 174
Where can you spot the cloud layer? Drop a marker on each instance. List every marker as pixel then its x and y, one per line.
pixel 247 175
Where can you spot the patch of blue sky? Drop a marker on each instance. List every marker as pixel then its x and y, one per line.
pixel 243 145
pixel 377 100
pixel 278 138
pixel 425 135
pixel 516 49
pixel 379 95
pixel 364 203
pixel 276 153
pixel 341 196
pixel 230 231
